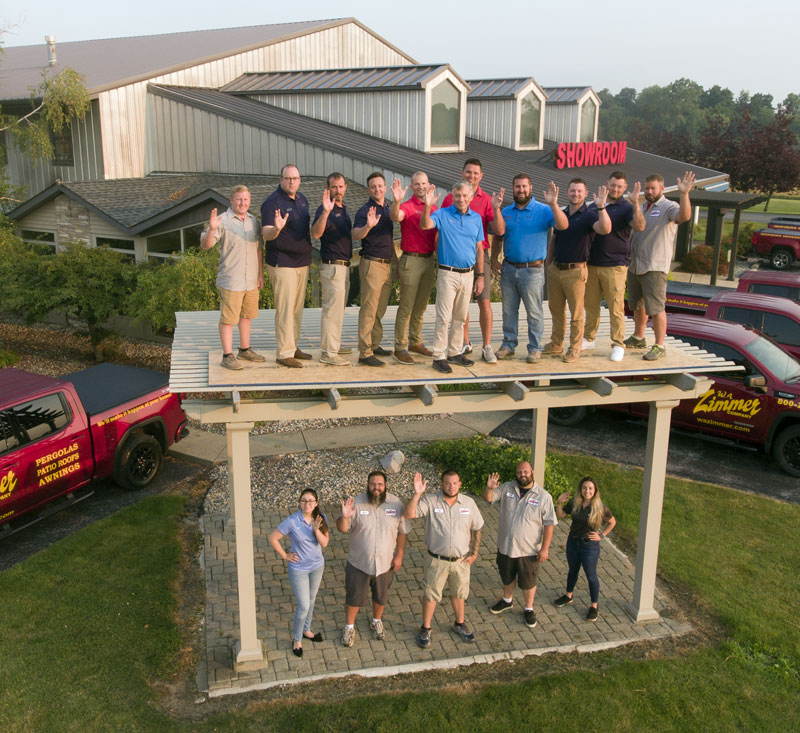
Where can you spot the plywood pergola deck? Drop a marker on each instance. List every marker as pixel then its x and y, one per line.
pixel 265 392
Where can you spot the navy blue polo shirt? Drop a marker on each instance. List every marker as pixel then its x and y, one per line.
pixel 336 242
pixel 292 247
pixel 614 249
pixel 379 239
pixel 525 239
pixel 459 235
pixel 574 242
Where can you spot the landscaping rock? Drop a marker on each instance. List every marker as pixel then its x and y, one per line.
pixel 392 462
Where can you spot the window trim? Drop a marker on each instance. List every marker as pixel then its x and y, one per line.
pixel 462 115
pixel 518 120
pixel 24 433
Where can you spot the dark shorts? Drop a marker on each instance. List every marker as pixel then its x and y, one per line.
pixel 358 585
pixel 525 570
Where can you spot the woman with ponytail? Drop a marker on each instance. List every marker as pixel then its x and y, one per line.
pixel 307 530
pixel 589 515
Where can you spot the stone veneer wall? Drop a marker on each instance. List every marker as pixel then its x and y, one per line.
pixel 72 220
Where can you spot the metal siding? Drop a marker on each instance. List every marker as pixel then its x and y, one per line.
pixel 492 120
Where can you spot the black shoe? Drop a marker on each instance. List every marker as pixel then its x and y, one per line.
pixel 592 615
pixel 461 360
pixel 380 351
pixel 530 618
pixel 372 361
pixel 563 600
pixel 441 365
pixel 317 637
pixel 500 606
pixel 297 652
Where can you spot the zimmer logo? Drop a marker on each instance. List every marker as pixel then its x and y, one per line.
pixel 726 403
pixel 7 485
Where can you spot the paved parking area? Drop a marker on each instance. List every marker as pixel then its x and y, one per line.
pixel 497 637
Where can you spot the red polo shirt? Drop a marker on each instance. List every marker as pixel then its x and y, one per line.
pixel 412 237
pixel 481 204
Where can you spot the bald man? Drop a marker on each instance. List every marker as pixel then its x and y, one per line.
pixel 524 533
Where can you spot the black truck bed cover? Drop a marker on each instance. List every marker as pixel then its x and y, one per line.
pixel 105 386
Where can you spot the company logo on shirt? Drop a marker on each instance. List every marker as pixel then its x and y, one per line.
pixel 391 512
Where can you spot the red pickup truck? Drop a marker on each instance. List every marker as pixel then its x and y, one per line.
pixel 57 435
pixel 693 298
pixel 779 242
pixel 759 406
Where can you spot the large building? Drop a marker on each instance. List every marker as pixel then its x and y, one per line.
pixel 168 129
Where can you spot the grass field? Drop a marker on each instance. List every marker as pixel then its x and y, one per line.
pixel 88 630
pixel 782 205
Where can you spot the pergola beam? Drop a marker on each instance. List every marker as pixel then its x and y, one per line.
pixel 601 385
pixel 426 393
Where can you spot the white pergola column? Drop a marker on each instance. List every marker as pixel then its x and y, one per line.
pixel 249 651
pixel 539 442
pixel 641 608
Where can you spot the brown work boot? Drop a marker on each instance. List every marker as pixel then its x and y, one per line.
pixel 420 349
pixel 290 362
pixel 403 357
pixel 552 348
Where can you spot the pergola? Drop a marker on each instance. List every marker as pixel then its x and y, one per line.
pixel 718 204
pixel 313 392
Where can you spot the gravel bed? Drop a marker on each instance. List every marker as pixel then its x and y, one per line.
pixel 276 483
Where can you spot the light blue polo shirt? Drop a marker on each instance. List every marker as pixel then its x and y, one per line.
pixel 304 542
pixel 525 239
pixel 459 235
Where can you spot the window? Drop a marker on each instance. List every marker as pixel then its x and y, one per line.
pixel 32 236
pixel 782 329
pixel 168 244
pixel 744 316
pixel 730 354
pixel 445 115
pixel 774 358
pixel 588 111
pixel 782 291
pixel 8 436
pixel 62 147
pixel 40 417
pixel 530 120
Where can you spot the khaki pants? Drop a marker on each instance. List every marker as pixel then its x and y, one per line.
pixel 335 282
pixel 416 282
pixel 566 287
pixel 376 285
pixel 289 291
pixel 608 282
pixel 453 291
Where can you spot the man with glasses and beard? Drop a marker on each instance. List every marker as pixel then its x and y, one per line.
pixel 524 533
pixel 378 534
pixel 522 272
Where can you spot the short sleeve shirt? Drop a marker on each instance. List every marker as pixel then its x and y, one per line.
pixel 522 518
pixel 525 239
pixel 458 236
pixel 239 251
pixel 336 242
pixel 373 533
pixel 292 247
pixel 412 237
pixel 304 542
pixel 448 528
pixel 651 249
pixel 614 249
pixel 379 240
pixel 580 520
pixel 574 242
pixel 481 204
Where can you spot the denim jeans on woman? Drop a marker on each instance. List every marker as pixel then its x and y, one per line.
pixel 586 553
pixel 305 584
pixel 525 284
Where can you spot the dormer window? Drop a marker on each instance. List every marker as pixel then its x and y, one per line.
pixel 445 115
pixel 588 117
pixel 530 121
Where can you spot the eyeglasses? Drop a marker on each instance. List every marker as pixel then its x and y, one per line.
pixel 308 501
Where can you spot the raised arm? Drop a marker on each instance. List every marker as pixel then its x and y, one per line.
pixel 491 486
pixel 425 221
pixel 398 194
pixel 348 510
pixel 637 223
pixel 551 199
pixel 603 223
pixel 410 512
pixel 270 232
pixel 318 227
pixel 685 185
pixel 208 237
pixel 499 223
pixel 373 217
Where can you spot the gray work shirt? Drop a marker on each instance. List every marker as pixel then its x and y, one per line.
pixel 373 533
pixel 239 251
pixel 522 518
pixel 448 528
pixel 652 249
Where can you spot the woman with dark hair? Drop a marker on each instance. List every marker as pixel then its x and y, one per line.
pixel 308 531
pixel 589 514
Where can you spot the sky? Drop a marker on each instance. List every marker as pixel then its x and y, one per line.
pixel 559 44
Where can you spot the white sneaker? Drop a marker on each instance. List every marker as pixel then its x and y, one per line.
pixel 467 348
pixel 586 345
pixel 617 353
pixel 489 355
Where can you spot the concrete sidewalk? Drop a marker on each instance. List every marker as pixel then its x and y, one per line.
pixel 208 449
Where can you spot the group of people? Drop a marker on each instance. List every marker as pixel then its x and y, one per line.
pixel 378 524
pixel 596 251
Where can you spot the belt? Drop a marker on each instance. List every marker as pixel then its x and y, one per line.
pixel 535 263
pixel 418 254
pixel 442 557
pixel 569 265
pixel 457 269
pixel 377 259
pixel 336 262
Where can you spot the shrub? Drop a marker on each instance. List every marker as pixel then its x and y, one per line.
pixel 699 260
pixel 475 458
pixel 8 358
pixel 745 240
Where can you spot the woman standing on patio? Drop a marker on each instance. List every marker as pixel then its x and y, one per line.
pixel 589 514
pixel 308 532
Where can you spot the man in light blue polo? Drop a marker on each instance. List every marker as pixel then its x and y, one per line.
pixel 460 269
pixel 522 272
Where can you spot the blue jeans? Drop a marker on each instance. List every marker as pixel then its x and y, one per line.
pixel 305 584
pixel 524 284
pixel 587 554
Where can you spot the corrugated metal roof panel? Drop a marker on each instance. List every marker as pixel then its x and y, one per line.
pixel 565 95
pixel 496 88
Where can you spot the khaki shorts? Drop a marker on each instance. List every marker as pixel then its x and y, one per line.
pixel 439 572
pixel 237 304
pixel 650 289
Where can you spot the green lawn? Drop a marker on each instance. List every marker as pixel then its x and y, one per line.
pixel 87 628
pixel 780 206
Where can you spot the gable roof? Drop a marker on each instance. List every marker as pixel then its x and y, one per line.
pixel 566 95
pixel 500 88
pixel 110 62
pixel 338 80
